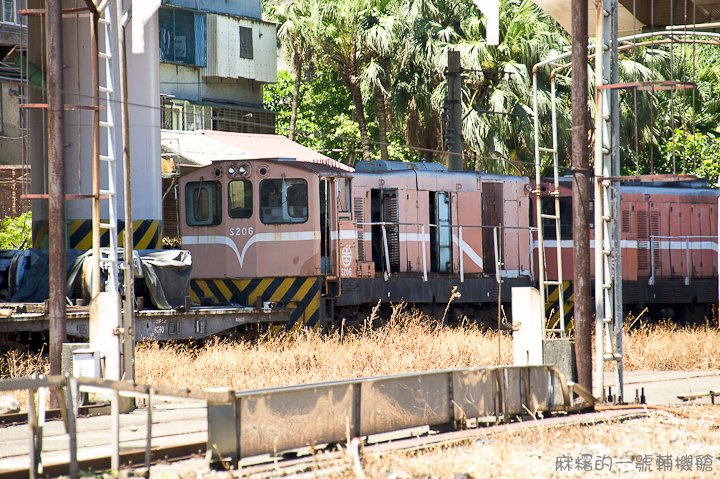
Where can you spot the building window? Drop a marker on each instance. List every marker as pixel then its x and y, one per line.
pixel 182 37
pixel 202 203
pixel 240 199
pixel 283 201
pixel 246 43
pixel 8 11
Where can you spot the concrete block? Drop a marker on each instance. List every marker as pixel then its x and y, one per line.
pixel 561 352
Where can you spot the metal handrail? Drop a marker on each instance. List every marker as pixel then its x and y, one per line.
pixel 68 391
pixel 496 239
pixel 688 258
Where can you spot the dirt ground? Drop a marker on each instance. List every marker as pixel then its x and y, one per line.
pixel 680 444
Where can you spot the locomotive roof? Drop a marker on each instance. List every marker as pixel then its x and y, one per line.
pixel 672 189
pixel 681 185
pixel 318 168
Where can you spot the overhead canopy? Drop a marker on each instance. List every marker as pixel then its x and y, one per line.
pixel 637 14
pixel 202 147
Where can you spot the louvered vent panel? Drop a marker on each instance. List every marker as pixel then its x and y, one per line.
pixel 655 231
pixel 359 213
pixel 643 246
pixel 390 215
pixel 626 218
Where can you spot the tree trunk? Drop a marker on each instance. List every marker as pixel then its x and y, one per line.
pixel 382 125
pixel 297 67
pixel 352 83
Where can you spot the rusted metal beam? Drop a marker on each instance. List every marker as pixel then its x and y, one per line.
pixel 581 196
pixel 56 181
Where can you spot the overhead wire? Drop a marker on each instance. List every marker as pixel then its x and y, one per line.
pixel 316 134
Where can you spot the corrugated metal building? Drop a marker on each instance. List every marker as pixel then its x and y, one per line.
pixel 215 58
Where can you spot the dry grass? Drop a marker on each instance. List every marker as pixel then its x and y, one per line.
pixel 667 347
pixel 407 342
pixel 15 364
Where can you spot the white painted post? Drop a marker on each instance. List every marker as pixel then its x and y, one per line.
pixel 115 433
pixel 528 330
pixel 462 254
pixel 35 437
pixel 424 259
pixel 387 253
pixel 148 444
pixel 71 398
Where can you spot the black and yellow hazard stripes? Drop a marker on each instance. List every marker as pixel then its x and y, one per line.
pixel 552 305
pixel 299 294
pixel 147 234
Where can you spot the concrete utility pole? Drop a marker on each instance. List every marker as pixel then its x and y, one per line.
pixel 128 322
pixel 56 181
pixel 454 104
pixel 581 196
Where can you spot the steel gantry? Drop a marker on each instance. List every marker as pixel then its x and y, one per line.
pixel 606 242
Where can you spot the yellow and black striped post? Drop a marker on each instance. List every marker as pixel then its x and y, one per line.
pixel 552 306
pixel 300 294
pixel 147 234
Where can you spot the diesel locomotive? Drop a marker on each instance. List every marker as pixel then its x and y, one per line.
pixel 329 243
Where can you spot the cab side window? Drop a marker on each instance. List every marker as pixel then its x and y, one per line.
pixel 283 201
pixel 240 199
pixel 202 203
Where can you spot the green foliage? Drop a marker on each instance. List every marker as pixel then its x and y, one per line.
pixel 324 119
pixel 16 233
pixel 380 65
pixel 697 153
pixel 373 71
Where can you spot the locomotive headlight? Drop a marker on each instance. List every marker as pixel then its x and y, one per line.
pixel 243 170
pixel 231 170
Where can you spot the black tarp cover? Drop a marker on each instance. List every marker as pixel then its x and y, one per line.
pixel 166 272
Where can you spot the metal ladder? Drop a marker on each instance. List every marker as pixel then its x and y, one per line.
pixel 106 93
pixel 559 329
pixel 608 321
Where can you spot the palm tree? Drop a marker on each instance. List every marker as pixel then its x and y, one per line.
pixel 380 35
pixel 298 21
pixel 342 43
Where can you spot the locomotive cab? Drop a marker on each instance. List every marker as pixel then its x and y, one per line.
pixel 261 231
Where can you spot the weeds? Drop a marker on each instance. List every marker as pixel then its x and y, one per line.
pixel 406 341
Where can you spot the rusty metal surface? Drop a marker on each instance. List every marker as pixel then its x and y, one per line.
pixel 158 325
pixel 401 402
pixel 56 179
pixel 314 415
pixel 280 419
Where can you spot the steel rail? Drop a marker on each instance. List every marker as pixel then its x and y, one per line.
pixel 373 446
pixel 367 406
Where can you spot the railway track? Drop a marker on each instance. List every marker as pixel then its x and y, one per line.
pixel 332 459
pixel 184 431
